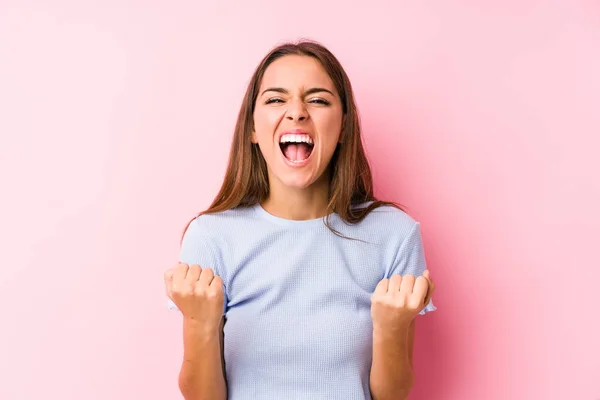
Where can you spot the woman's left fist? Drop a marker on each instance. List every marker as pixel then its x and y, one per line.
pixel 396 301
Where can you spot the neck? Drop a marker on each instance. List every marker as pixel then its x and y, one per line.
pixel 298 204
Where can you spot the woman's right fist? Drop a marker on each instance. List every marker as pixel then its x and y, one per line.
pixel 197 292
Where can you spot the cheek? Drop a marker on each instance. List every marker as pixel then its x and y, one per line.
pixel 265 121
pixel 264 127
pixel 329 129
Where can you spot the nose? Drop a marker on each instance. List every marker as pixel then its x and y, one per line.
pixel 296 111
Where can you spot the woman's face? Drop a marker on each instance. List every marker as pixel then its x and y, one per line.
pixel 297 120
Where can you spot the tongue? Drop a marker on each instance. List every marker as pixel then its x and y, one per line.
pixel 296 152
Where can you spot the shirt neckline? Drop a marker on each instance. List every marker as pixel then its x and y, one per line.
pixel 264 214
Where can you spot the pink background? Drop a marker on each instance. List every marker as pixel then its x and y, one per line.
pixel 482 117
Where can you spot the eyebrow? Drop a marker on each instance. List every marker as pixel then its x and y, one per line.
pixel 306 93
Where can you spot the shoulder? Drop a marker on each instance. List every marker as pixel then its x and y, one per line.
pixel 212 226
pixel 389 218
pixel 390 226
pixel 203 245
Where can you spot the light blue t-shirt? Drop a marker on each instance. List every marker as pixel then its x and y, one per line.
pixel 297 297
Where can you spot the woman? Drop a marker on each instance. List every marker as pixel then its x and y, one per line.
pixel 297 283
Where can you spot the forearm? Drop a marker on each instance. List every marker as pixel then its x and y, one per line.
pixel 391 372
pixel 201 376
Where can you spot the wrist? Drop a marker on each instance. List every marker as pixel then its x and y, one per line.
pixel 200 329
pixel 399 330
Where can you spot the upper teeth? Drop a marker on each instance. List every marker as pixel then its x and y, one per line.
pixel 288 137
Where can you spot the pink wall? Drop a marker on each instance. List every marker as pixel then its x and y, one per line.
pixel 482 118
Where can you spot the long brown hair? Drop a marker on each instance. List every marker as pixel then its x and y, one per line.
pixel 246 181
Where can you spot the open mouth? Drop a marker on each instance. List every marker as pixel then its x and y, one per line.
pixel 296 148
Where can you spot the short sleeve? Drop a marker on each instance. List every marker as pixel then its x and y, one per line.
pixel 198 248
pixel 410 259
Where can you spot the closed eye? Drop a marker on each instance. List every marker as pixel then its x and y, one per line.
pixel 320 101
pixel 314 101
pixel 273 100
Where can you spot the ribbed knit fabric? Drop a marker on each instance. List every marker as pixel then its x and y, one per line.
pixel 298 320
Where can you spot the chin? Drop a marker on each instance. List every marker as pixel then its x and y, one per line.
pixel 298 184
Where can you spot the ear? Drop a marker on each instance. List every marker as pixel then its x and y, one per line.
pixel 253 137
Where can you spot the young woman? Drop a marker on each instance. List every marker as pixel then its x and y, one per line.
pixel 297 283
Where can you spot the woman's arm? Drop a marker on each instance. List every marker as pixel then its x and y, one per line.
pixel 202 374
pixel 392 375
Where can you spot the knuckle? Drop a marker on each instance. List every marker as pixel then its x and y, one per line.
pixel 182 288
pixel 378 298
pixel 200 290
pixel 183 269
